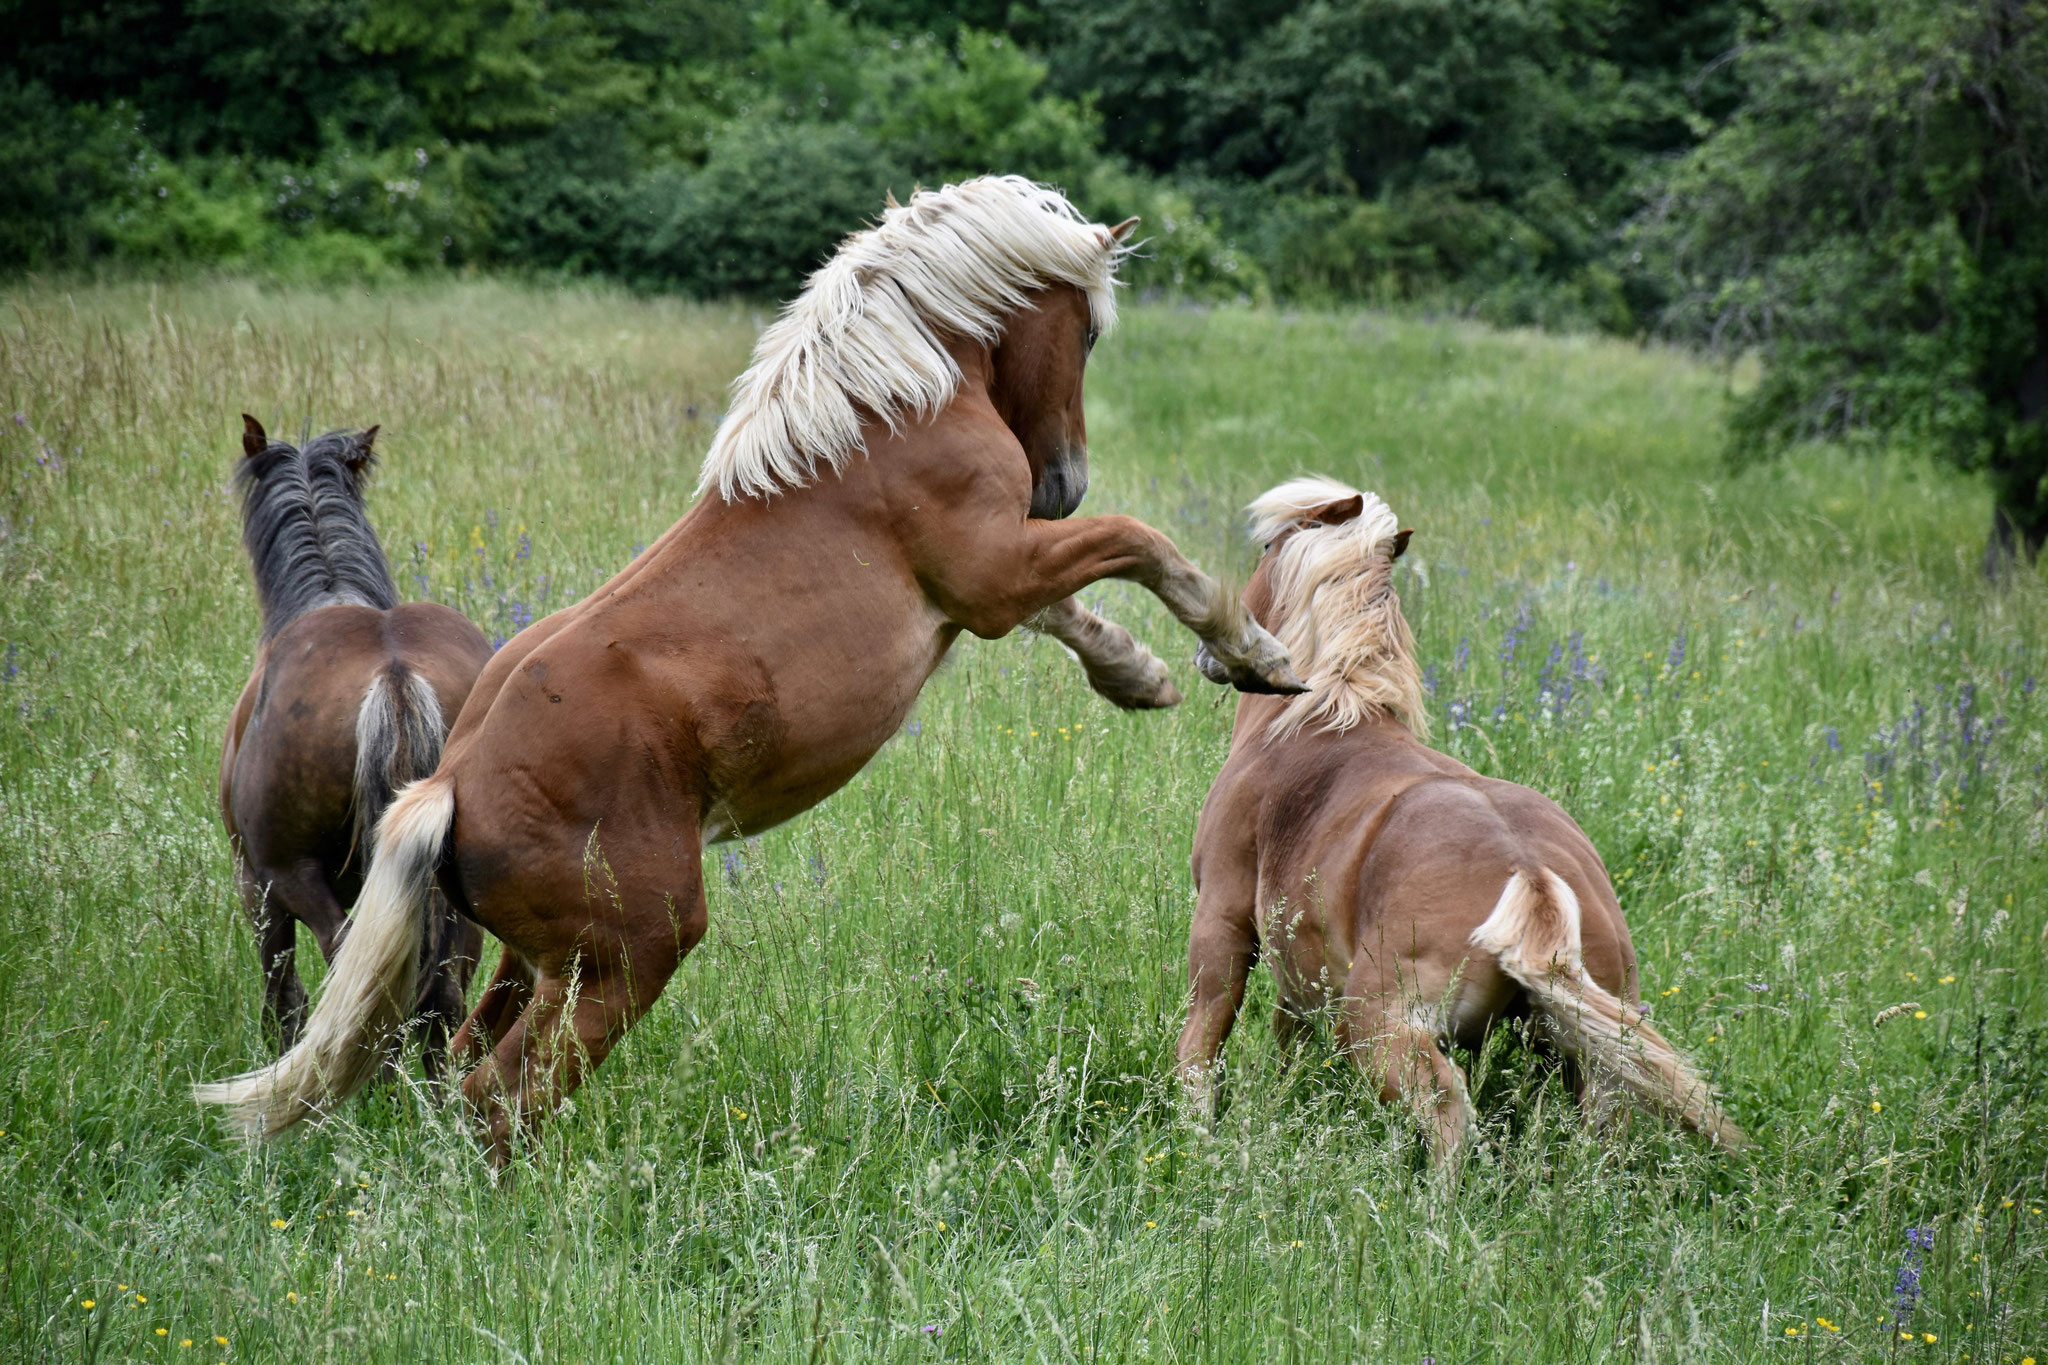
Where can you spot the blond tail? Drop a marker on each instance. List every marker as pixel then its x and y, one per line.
pixel 1533 933
pixel 399 731
pixel 369 989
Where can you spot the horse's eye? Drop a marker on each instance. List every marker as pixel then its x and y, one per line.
pixel 1092 334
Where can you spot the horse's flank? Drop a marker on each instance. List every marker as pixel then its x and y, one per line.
pixel 866 338
pixel 1339 616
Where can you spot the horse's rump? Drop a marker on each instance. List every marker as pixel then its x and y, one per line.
pixel 1534 933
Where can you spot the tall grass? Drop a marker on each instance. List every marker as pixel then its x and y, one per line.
pixel 910 1099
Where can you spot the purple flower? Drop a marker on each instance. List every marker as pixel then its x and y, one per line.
pixel 1906 1287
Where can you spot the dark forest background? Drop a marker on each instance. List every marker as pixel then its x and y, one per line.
pixel 1851 190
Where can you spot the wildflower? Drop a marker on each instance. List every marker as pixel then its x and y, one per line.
pixel 163 1331
pixel 942 1226
pixel 1949 980
pixel 1929 1337
pixel 1150 1224
pixel 739 1113
pixel 291 1296
pixel 1919 1014
pixel 87 1304
pixel 279 1223
pixel 142 1298
pixel 185 1344
pixel 1791 1331
pixel 220 1341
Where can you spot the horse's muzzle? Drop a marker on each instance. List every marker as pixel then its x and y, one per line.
pixel 1061 486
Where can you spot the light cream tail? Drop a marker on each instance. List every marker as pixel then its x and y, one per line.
pixel 1533 933
pixel 369 989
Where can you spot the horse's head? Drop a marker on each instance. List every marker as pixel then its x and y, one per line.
pixel 1036 386
pixel 352 454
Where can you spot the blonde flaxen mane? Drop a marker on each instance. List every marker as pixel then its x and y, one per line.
pixel 865 338
pixel 1336 610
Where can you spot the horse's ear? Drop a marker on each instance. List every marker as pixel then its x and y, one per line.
pixel 360 455
pixel 1401 541
pixel 1123 229
pixel 254 441
pixel 1334 513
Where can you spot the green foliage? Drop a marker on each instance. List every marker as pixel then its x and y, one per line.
pixel 1471 154
pixel 1897 286
pixel 736 227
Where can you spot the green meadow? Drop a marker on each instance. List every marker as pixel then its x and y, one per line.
pixel 911 1099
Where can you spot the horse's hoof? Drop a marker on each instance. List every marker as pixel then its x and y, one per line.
pixel 1278 680
pixel 1207 664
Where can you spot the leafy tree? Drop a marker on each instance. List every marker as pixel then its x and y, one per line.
pixel 1874 220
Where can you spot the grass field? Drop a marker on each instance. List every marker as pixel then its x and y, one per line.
pixel 910 1099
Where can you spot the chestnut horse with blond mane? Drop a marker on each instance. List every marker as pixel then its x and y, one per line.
pixel 895 468
pixel 1390 885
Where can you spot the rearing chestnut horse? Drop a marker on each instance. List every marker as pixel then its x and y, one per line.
pixel 346 704
pixel 895 469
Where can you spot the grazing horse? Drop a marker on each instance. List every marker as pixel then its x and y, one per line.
pixel 896 467
pixel 345 706
pixel 1414 899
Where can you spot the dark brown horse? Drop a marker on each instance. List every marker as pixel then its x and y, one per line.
pixel 345 706
pixel 1390 885
pixel 895 469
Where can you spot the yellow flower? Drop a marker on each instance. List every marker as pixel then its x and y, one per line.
pixel 1713 1037
pixel 2027 1361
pixel 942 1226
pixel 291 1296
pixel 279 1223
pixel 122 1287
pixel 1905 1336
pixel 1919 1014
pixel 1929 1338
pixel 1876 1108
pixel 1948 980
pixel 1791 1331
pixel 739 1113
pixel 185 1344
pixel 87 1303
pixel 1150 1224
pixel 141 1298
pixel 163 1331
pixel 2006 1205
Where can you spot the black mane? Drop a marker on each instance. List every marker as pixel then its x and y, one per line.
pixel 308 538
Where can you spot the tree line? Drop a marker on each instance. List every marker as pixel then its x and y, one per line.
pixel 1852 189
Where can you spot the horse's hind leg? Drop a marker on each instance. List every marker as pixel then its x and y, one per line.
pixel 579 1013
pixel 447 960
pixel 277 932
pixel 1404 1058
pixel 503 1001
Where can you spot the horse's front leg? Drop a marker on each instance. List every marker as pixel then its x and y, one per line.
pixel 1059 558
pixel 1118 667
